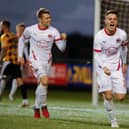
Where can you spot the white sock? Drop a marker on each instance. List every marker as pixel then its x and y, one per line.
pixel 13 88
pixel 109 108
pixel 2 86
pixel 37 102
pixel 41 96
pixel 25 101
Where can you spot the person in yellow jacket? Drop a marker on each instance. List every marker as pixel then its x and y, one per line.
pixel 8 60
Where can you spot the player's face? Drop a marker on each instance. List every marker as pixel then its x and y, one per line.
pixel 45 20
pixel 111 22
pixel 3 28
pixel 19 30
pixel 0 26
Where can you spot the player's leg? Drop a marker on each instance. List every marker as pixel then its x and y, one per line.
pixel 17 74
pixel 23 87
pixel 109 107
pixel 5 72
pixel 41 91
pixel 40 100
pixel 37 103
pixel 119 91
pixel 2 86
pixel 119 86
pixel 44 85
pixel 41 96
pixel 105 87
pixel 13 90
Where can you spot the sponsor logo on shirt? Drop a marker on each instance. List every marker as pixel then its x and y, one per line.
pixel 49 36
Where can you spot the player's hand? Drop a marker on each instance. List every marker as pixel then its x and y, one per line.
pixel 0 65
pixel 28 62
pixel 21 60
pixel 124 68
pixel 64 36
pixel 107 71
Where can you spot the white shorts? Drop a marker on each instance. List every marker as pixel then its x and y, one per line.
pixel 114 82
pixel 40 70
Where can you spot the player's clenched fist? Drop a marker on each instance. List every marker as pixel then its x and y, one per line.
pixel 63 36
pixel 107 71
pixel 21 60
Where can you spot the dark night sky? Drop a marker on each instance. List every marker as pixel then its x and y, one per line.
pixel 68 15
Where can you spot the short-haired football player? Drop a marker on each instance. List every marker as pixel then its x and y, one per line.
pixel 41 37
pixel 110 52
pixel 9 60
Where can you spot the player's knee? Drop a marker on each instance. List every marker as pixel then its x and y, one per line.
pixel 109 97
pixel 45 84
pixel 44 81
pixel 19 81
pixel 120 97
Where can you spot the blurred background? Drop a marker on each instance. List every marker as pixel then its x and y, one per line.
pixel 69 16
pixel 80 19
pixel 76 18
pixel 72 82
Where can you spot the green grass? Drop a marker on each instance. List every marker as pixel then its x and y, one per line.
pixel 68 110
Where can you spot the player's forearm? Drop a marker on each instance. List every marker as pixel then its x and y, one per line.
pixel 21 45
pixel 2 54
pixel 26 53
pixel 61 44
pixel 98 61
pixel 124 55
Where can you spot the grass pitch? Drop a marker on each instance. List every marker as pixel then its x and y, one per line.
pixel 68 110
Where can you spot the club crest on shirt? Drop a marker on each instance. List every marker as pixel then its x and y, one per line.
pixel 104 41
pixel 118 40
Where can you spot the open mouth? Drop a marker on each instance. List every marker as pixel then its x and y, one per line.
pixel 112 25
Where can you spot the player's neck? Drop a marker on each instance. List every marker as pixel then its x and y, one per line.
pixel 108 32
pixel 42 27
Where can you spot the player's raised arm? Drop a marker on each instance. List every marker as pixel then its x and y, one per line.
pixel 61 41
